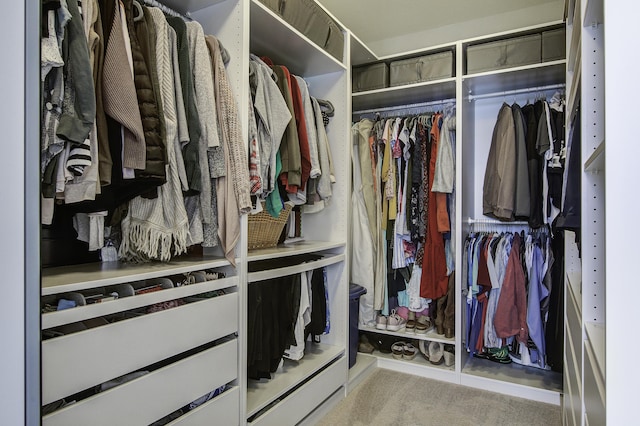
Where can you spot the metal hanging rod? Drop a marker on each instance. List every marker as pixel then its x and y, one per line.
pixel 473 97
pixel 495 222
pixel 406 107
pixel 167 9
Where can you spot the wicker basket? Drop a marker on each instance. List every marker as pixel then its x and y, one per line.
pixel 264 229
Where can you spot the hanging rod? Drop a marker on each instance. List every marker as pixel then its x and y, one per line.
pixel 495 222
pixel 407 106
pixel 167 9
pixel 517 91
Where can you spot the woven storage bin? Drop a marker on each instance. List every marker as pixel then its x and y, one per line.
pixel 264 229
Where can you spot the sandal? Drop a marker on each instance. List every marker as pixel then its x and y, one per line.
pixel 499 355
pixel 423 324
pixel 409 351
pixel 397 349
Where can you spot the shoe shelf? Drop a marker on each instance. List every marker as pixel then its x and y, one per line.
pixel 513 379
pixel 90 275
pixel 418 366
pixel 430 335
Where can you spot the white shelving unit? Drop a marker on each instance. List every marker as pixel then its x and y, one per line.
pixel 243 27
pixel 478 98
pixel 585 329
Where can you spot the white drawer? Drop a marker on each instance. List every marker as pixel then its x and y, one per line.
pixel 222 410
pixel 82 360
pixel 306 398
pixel 155 395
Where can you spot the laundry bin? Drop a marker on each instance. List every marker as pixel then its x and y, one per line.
pixel 355 291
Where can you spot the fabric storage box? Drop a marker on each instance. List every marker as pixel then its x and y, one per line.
pixel 553 45
pixel 422 68
pixel 370 77
pixel 310 19
pixel 507 53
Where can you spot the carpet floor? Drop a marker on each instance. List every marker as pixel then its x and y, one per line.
pixel 390 398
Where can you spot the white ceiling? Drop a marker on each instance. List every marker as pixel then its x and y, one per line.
pixel 390 27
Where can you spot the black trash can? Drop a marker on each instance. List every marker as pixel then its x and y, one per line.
pixel 355 291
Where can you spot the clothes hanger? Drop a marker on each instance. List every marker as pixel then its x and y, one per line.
pixel 138 8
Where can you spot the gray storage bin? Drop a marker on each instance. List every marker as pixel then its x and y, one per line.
pixel 512 52
pixel 370 77
pixel 272 4
pixel 310 19
pixel 554 45
pixel 422 68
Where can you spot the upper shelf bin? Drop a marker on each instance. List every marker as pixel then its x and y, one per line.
pixel 273 37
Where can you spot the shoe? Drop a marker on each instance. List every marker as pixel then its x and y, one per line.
pixel 499 355
pixel 449 355
pixel 381 322
pixel 409 351
pixel 449 333
pixel 423 324
pixel 411 323
pixel 397 349
pixel 436 353
pixel 395 322
pixel 364 345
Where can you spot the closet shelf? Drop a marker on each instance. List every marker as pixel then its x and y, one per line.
pixel 571 11
pixel 513 373
pixel 431 335
pixel 360 53
pixel 89 275
pixel 529 76
pixel 269 34
pixel 409 94
pixel 297 269
pixel 596 161
pixel 285 250
pixel 596 339
pixel 575 93
pixel 574 48
pixel 188 6
pixel 81 313
pixel 594 13
pixel 316 356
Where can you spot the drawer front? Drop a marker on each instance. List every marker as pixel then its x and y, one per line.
pixel 222 410
pixel 155 395
pixel 305 399
pixel 82 360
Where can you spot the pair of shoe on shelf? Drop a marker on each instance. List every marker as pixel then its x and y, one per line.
pixel 437 353
pixel 419 325
pixel 403 350
pixel 393 322
pixel 499 355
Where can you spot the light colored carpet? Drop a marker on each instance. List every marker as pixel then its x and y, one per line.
pixel 390 398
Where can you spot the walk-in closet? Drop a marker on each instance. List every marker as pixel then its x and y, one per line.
pixel 237 211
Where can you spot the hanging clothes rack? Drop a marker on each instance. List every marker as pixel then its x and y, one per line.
pixel 167 10
pixel 550 87
pixel 404 109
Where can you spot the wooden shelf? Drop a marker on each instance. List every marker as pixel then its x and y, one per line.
pixel 261 393
pixel 271 36
pixel 595 162
pixel 89 275
pixel 431 335
pixel 405 95
pixel 530 76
